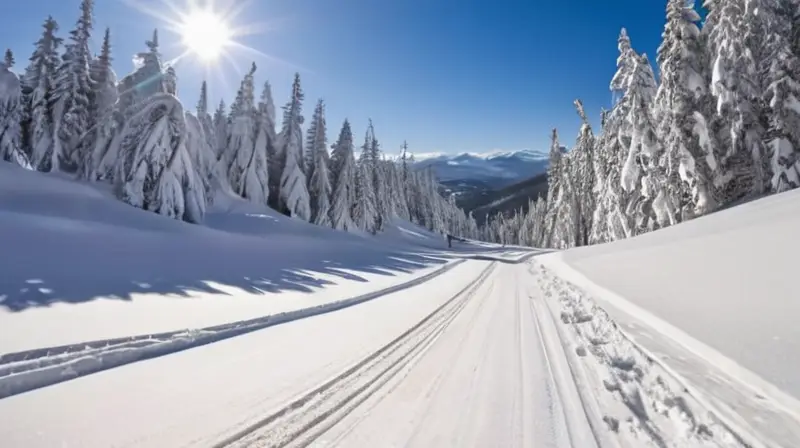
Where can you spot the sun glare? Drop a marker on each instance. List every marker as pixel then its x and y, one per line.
pixel 205 34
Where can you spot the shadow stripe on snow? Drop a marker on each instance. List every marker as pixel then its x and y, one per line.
pixel 33 369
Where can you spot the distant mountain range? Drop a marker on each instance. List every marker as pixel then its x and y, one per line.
pixel 490 183
pixel 467 171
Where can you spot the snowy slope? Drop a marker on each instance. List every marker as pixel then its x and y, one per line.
pixel 715 299
pixel 470 358
pixel 79 265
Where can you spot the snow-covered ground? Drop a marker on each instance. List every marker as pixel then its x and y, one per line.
pixel 715 300
pixel 123 328
pixel 468 358
pixel 133 272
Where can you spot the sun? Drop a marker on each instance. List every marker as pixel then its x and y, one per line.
pixel 205 33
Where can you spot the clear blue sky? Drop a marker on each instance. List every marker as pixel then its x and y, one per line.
pixel 447 75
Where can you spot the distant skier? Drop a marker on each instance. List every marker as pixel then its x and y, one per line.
pixel 449 241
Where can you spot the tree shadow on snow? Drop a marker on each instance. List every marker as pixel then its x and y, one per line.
pixel 48 268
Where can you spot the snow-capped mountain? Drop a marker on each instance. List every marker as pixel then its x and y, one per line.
pixel 496 169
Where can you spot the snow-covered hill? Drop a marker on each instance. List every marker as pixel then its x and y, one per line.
pixel 497 169
pixel 69 243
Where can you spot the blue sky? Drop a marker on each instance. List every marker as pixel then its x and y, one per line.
pixel 447 75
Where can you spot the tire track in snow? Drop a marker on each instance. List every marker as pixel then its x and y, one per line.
pixel 305 418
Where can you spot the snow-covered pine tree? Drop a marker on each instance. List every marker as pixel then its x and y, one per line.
pixel 407 183
pixel 309 150
pixel 206 121
pixel 319 187
pixel 343 173
pixel 245 161
pixel 396 190
pixel 102 101
pixel 625 65
pixel 611 210
pixel 364 208
pixel 437 223
pixel 382 210
pixel 682 111
pixel 782 91
pixel 147 80
pixel 153 167
pixel 8 58
pixel 583 175
pixel 150 147
pixel 11 111
pixel 266 107
pixel 399 188
pixel 293 191
pixel 220 129
pixel 734 84
pixel 73 89
pixel 201 156
pixel 644 177
pixel 39 81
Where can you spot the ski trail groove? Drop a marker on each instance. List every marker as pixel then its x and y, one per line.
pixel 33 369
pixel 308 416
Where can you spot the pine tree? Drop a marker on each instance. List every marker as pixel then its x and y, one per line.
pixel 555 194
pixel 364 208
pixel 319 185
pixel 8 60
pixel 245 160
pixel 206 121
pixel 152 162
pixel 276 162
pixel 782 92
pixel 39 82
pixel 220 129
pixel 103 97
pixel 72 95
pixel 310 148
pixel 583 176
pixel 293 191
pixel 734 84
pixel 681 111
pixel 11 111
pixel 379 188
pixel 342 170
pixel 625 65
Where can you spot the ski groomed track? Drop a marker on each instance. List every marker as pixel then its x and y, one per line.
pixel 475 357
pixel 202 396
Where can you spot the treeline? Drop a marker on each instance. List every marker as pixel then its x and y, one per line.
pixel 67 112
pixel 721 125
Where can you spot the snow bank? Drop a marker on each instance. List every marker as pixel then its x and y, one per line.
pixel 715 298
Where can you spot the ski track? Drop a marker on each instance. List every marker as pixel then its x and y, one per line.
pixel 31 369
pixel 323 406
pixel 642 403
pixel 513 356
pixel 486 382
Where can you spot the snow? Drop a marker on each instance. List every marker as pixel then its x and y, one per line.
pixel 297 333
pixel 133 272
pixel 472 357
pixel 713 298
